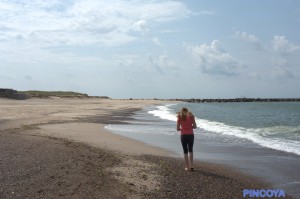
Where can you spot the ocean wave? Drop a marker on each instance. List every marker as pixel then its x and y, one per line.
pixel 277 137
pixel 258 136
pixel 277 131
pixel 164 113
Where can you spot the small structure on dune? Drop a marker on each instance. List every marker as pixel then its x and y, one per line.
pixel 12 94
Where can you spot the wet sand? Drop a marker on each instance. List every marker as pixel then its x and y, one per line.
pixel 58 148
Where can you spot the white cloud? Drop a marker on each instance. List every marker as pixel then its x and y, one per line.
pixel 155 64
pixel 246 36
pixel 213 59
pixel 156 41
pixel 166 63
pixel 285 61
pixel 141 25
pixel 282 45
pixel 249 38
pixel 280 62
pixel 84 22
pixel 163 65
pixel 282 68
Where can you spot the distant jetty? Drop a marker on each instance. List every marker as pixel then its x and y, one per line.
pixel 236 100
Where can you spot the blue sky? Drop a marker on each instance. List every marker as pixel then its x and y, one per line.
pixel 152 48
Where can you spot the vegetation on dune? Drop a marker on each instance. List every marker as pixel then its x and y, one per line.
pixel 34 93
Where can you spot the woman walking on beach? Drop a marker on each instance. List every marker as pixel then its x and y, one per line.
pixel 186 123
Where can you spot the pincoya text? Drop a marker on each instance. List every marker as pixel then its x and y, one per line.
pixel 263 193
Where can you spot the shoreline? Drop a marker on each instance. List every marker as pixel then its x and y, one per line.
pixel 97 136
pixel 279 168
pixel 152 173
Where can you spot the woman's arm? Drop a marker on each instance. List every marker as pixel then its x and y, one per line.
pixel 194 123
pixel 178 126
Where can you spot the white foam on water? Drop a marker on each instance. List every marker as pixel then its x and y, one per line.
pixel 277 130
pixel 260 136
pixel 291 146
pixel 164 113
pixel 143 129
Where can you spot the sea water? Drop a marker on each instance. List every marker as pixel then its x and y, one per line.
pixel 257 138
pixel 274 125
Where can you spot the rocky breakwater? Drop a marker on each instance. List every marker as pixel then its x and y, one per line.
pixel 238 100
pixel 12 94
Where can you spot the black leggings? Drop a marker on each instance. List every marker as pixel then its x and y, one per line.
pixel 187 142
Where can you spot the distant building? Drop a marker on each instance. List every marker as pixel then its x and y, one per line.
pixel 12 94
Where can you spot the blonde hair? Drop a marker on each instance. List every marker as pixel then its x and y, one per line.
pixel 183 113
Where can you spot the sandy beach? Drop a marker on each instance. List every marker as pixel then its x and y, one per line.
pixel 59 148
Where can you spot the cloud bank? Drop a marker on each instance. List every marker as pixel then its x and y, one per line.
pixel 84 22
pixel 214 60
pixel 249 38
pixel 283 46
pixel 281 53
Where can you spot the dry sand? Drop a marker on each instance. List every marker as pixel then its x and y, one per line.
pixel 58 148
pixel 69 119
pixel 60 110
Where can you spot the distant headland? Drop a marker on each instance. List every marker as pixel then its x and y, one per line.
pixel 23 95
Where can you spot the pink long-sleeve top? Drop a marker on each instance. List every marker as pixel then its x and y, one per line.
pixel 186 125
